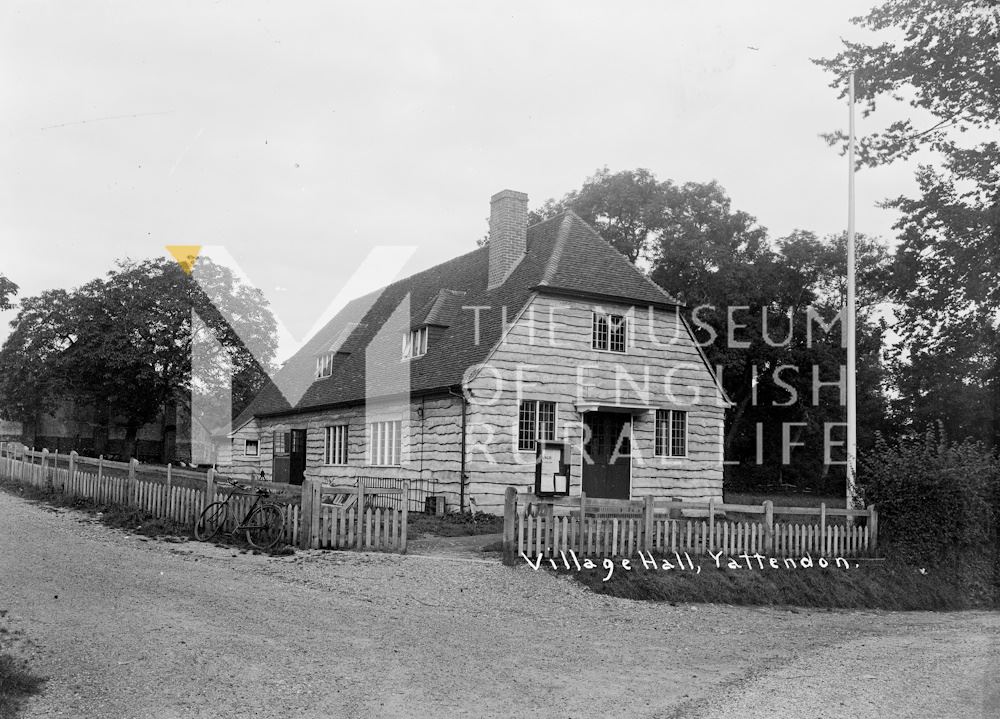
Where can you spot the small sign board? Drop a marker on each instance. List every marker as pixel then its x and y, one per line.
pixel 551 469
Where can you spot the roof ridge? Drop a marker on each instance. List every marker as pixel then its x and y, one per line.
pixel 557 251
pixel 556 216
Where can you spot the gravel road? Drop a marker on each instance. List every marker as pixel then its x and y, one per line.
pixel 125 627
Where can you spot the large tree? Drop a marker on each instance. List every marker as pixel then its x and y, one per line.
pixel 716 259
pixel 122 345
pixel 942 58
pixel 626 208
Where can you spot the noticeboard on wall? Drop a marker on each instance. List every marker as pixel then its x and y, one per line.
pixel 551 469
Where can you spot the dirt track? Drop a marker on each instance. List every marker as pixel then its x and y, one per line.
pixel 131 628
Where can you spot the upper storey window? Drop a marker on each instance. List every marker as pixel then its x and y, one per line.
pixel 324 365
pixel 610 332
pixel 415 343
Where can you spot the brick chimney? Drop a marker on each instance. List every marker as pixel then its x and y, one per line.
pixel 508 233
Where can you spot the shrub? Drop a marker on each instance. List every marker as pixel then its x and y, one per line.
pixel 933 497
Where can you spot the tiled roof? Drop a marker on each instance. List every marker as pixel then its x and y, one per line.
pixel 564 255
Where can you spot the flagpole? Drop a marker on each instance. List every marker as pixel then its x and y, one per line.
pixel 850 323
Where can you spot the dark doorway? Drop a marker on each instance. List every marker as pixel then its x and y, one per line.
pixel 297 460
pixel 280 458
pixel 607 460
pixel 289 456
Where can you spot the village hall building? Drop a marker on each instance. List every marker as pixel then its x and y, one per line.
pixel 545 349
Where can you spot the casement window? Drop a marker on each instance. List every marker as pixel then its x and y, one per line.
pixel 415 343
pixel 335 444
pixel 610 332
pixel 251 448
pixel 536 421
pixel 671 433
pixel 324 365
pixel 384 443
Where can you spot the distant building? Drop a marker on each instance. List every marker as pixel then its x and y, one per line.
pixel 74 427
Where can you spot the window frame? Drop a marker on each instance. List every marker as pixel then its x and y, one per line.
pixel 669 418
pixel 246 447
pixel 324 365
pixel 609 333
pixel 381 449
pixel 536 420
pixel 335 445
pixel 418 338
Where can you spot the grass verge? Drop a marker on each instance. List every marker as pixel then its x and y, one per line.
pixel 454 524
pixel 779 499
pixel 958 583
pixel 131 519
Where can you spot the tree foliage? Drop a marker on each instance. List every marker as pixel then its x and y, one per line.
pixel 722 264
pixel 121 345
pixel 942 59
pixel 7 291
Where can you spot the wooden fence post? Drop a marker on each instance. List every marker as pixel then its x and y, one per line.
pixel 873 527
pixel 509 526
pixel 359 525
pixel 406 515
pixel 311 500
pixel 44 463
pixel 647 523
pixel 133 482
pixel 580 539
pixel 72 467
pixel 769 526
pixel 209 485
pixel 711 524
pixel 822 527
pixel 167 501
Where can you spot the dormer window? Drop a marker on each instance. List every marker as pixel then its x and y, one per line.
pixel 415 343
pixel 324 365
pixel 610 332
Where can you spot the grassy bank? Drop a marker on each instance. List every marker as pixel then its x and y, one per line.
pixel 947 585
pixel 112 515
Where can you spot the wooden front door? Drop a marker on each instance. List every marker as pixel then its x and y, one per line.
pixel 607 457
pixel 288 461
pixel 297 457
pixel 280 458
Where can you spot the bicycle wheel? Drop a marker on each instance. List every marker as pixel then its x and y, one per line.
pixel 265 527
pixel 211 521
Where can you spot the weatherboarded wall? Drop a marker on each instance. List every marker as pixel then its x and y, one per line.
pixel 430 442
pixel 548 355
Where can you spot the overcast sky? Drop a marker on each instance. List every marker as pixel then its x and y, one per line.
pixel 301 135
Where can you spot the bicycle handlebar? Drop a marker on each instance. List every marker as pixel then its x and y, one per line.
pixel 259 490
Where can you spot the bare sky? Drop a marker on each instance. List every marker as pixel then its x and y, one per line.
pixel 301 135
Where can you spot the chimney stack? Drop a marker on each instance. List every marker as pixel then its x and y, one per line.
pixel 508 233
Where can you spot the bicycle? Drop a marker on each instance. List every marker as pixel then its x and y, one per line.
pixel 264 523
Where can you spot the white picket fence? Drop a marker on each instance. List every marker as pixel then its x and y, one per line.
pixel 613 528
pixel 180 496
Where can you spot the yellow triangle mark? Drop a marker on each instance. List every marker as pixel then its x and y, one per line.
pixel 185 255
